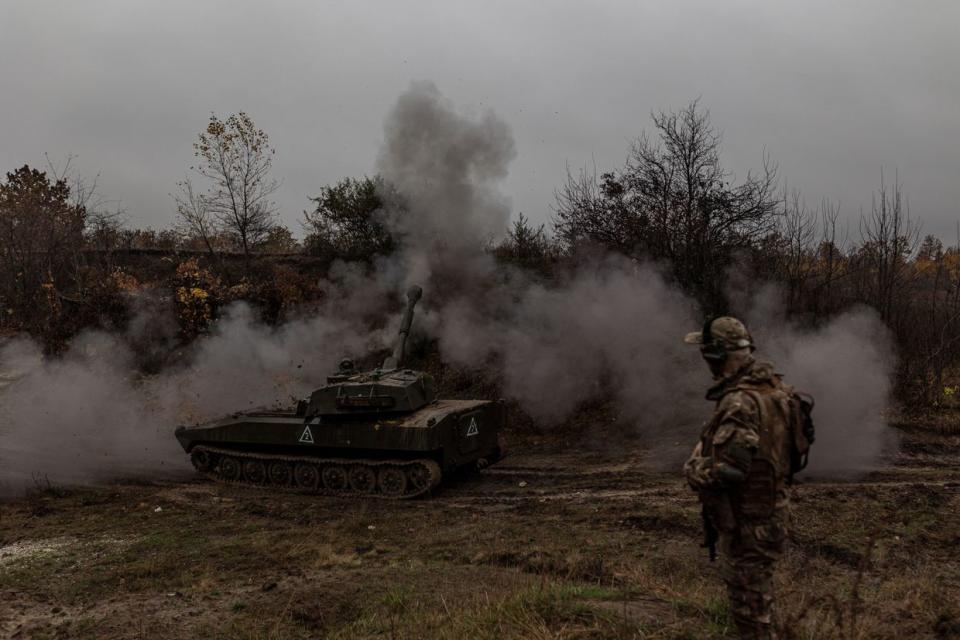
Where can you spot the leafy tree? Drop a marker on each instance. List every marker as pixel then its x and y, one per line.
pixel 348 220
pixel 235 157
pixel 525 245
pixel 41 236
pixel 279 240
pixel 197 294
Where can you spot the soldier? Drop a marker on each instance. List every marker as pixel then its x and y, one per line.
pixel 741 468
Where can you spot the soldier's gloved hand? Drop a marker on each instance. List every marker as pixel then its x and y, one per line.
pixel 698 472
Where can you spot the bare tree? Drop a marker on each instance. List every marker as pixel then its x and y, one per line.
pixel 236 157
pixel 830 259
pixel 196 218
pixel 697 219
pixel 798 231
pixel 595 211
pixel 105 219
pixel 889 239
pixel 673 201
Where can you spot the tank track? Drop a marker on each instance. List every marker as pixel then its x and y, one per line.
pixel 385 479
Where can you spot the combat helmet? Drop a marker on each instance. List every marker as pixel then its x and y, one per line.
pixel 719 336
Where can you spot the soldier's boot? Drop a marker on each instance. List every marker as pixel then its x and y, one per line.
pixel 752 612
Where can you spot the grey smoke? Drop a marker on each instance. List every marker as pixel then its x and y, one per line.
pixel 848 367
pixel 77 419
pixel 87 417
pixel 447 166
pixel 612 329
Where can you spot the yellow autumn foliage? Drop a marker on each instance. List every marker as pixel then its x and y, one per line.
pixel 123 281
pixel 197 292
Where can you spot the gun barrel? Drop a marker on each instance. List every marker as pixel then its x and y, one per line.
pixel 399 350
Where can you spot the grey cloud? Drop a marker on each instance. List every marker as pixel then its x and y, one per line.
pixel 833 90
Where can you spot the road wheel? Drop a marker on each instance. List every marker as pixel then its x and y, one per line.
pixel 392 481
pixel 229 468
pixel 280 474
pixel 419 476
pixel 334 478
pixel 254 471
pixel 307 476
pixel 201 460
pixel 362 479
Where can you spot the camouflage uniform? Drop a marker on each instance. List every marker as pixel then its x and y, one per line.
pixel 740 470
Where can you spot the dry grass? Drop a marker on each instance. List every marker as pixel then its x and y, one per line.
pixel 586 549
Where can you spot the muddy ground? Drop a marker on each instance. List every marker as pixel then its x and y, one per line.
pixel 544 545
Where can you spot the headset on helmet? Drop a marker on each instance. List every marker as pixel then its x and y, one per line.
pixel 712 350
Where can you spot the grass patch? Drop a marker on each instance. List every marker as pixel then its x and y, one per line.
pixel 220 562
pixel 545 611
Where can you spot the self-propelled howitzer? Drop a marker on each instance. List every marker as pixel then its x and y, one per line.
pixel 376 433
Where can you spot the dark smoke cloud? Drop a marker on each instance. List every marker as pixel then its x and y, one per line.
pixel 446 166
pixel 612 329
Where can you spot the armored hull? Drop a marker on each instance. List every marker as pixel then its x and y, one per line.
pixel 379 433
pixel 398 456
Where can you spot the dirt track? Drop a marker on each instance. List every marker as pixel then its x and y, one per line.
pixel 546 546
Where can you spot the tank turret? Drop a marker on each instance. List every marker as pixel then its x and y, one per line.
pixel 386 390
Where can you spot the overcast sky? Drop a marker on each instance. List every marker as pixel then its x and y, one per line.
pixel 834 91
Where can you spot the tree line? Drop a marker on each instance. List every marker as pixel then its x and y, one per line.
pixel 62 265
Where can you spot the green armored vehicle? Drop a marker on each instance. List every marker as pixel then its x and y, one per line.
pixel 380 433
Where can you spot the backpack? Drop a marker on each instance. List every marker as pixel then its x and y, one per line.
pixel 802 431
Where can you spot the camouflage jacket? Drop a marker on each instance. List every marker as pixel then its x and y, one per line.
pixel 742 462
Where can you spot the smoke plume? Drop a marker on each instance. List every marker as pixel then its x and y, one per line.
pixel 847 365
pixel 611 329
pixel 446 167
pixel 87 417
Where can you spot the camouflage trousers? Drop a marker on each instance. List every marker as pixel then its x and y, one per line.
pixel 749 552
